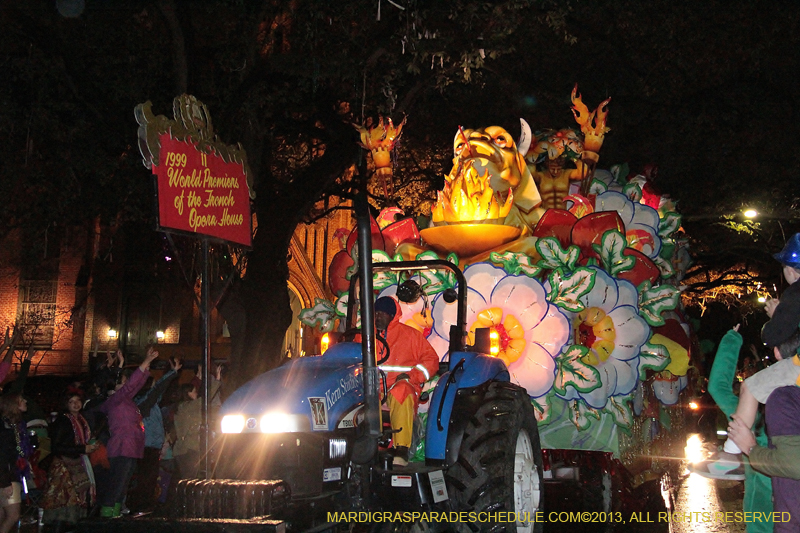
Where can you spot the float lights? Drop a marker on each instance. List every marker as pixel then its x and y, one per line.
pixel 750 213
pixel 494 338
pixel 762 299
pixel 160 336
pixel 112 333
pixel 325 343
pixel 693 406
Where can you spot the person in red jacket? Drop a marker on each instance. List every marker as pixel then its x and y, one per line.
pixel 412 361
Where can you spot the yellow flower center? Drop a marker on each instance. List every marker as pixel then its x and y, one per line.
pixel 506 330
pixel 595 330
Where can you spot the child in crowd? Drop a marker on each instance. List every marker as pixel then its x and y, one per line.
pixel 783 324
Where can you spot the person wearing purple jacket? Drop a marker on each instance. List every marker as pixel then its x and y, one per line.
pixel 781 460
pixel 126 444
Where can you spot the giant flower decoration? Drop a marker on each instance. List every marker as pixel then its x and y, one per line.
pixel 611 328
pixel 530 329
pixel 641 222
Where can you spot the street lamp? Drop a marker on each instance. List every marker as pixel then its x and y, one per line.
pixel 750 213
pixel 112 333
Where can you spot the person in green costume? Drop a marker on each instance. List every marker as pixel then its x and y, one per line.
pixel 757 486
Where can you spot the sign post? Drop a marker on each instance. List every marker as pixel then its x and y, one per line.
pixel 203 188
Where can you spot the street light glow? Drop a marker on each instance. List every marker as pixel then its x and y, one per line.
pixel 750 213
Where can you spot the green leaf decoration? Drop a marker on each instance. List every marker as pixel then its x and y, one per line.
pixel 620 171
pixel 436 281
pixel 341 305
pixel 515 263
pixel 667 249
pixel 354 267
pixel 581 414
pixel 653 357
pixel 654 301
pixel 669 224
pixel 610 250
pixel 565 291
pixel 665 267
pixel 382 280
pixel 572 372
pixel 322 316
pixel 554 256
pixel 620 410
pixel 597 187
pixel 632 191
pixel 541 408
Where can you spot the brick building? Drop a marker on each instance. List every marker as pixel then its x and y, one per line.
pixel 88 286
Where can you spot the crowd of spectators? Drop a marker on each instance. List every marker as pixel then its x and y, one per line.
pixel 113 444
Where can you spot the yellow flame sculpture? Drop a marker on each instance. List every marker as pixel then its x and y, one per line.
pixel 380 140
pixel 468 196
pixel 593 133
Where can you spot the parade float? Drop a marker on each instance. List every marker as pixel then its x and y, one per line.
pixel 574 269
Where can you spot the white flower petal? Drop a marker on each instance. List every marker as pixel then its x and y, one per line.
pixel 598 398
pixel 627 376
pixel 614 201
pixel 535 371
pixel 446 314
pixel 483 277
pixel 646 215
pixel 632 332
pixel 442 346
pixel 667 391
pixel 522 297
pixel 553 332
pixel 604 294
pixel 628 295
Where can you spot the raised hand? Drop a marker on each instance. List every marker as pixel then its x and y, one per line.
pixel 151 355
pixel 176 364
pixel 770 306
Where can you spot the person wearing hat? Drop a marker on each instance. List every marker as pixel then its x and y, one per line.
pixel 783 325
pixel 412 361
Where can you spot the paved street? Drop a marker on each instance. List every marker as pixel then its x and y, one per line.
pixel 698 501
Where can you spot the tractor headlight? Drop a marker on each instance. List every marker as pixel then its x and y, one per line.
pixel 337 448
pixel 232 423
pixel 284 423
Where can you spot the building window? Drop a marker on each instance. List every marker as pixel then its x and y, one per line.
pixel 37 311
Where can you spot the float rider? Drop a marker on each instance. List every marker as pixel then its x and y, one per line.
pixel 554 179
pixel 412 361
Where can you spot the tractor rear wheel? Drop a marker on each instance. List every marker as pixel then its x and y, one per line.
pixel 499 465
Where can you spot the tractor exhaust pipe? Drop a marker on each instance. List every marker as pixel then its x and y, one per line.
pixel 366 447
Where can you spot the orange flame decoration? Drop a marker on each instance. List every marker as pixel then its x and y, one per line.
pixel 468 196
pixel 380 140
pixel 593 133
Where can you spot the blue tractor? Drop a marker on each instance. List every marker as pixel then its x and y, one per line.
pixel 315 424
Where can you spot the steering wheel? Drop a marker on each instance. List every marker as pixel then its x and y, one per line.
pixel 352 332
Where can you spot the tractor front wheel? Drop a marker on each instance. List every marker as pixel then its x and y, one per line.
pixel 499 465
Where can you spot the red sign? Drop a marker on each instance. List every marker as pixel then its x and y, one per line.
pixel 201 193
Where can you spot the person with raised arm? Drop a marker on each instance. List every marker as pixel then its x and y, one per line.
pixel 126 444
